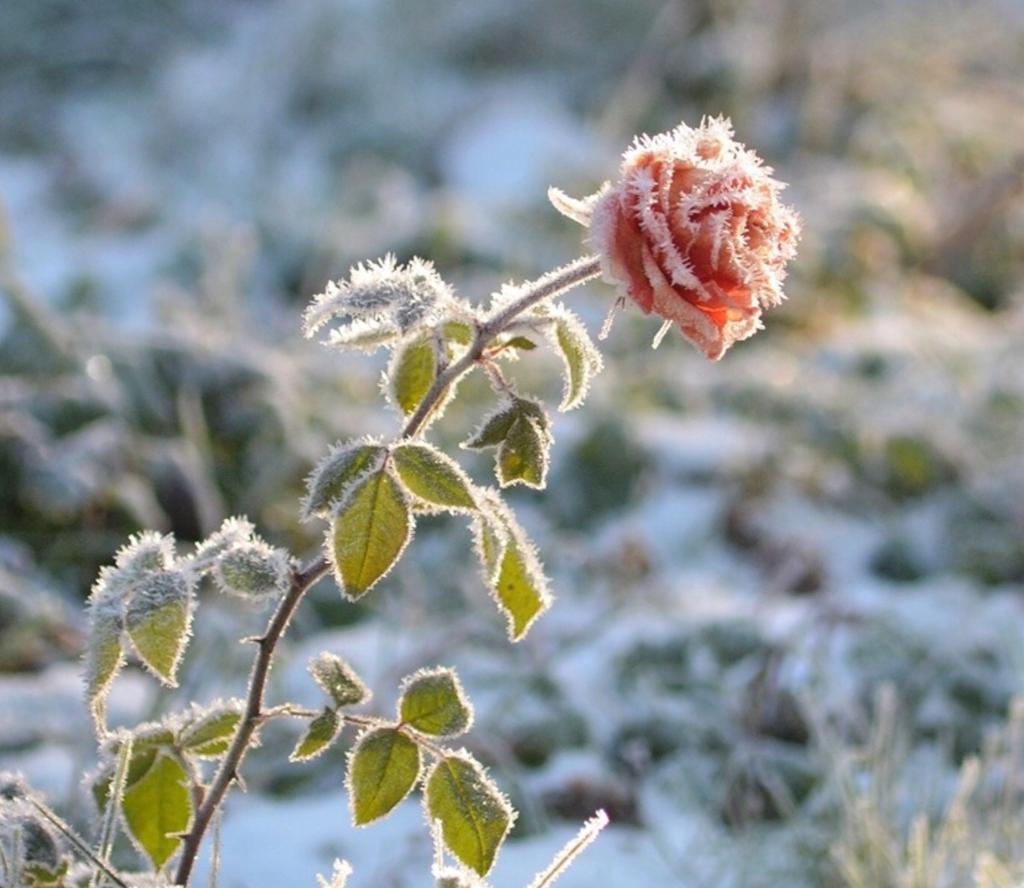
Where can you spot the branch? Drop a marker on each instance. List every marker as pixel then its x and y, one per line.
pixel 302 579
pixel 545 287
pixel 551 284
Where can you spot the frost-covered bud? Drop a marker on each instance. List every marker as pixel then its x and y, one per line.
pixel 233 532
pixel 694 232
pixel 253 570
pixel 144 552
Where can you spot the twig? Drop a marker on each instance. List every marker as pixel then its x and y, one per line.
pixel 302 579
pixel 109 827
pixel 551 284
pixel 543 288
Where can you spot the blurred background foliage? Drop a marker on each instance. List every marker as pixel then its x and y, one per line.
pixel 745 553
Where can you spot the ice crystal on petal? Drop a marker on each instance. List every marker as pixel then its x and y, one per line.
pixel 694 232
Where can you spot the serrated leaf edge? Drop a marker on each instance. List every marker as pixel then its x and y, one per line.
pixel 464 755
pixel 340 506
pixel 349 762
pixel 306 510
pixel 460 693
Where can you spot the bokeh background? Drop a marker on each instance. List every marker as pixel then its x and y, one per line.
pixel 790 584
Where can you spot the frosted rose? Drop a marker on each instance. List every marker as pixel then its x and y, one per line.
pixel 694 232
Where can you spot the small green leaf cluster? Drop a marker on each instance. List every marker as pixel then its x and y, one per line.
pixel 144 603
pixel 391 757
pixel 372 494
pixel 343 687
pixel 152 790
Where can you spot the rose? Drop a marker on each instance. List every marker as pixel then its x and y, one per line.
pixel 694 232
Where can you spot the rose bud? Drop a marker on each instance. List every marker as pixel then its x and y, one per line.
pixel 693 232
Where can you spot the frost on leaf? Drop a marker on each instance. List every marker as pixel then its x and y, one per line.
pixel 144 553
pixel 253 570
pixel 411 373
pixel 233 532
pixel 331 479
pixel 142 595
pixel 494 428
pixel 207 731
pixel 489 540
pixel 383 767
pixel 371 528
pixel 475 817
pixel 521 431
pixel 523 455
pixel 321 732
pixel 158 809
pixel 338 680
pixel 157 618
pixel 433 478
pixel 379 301
pixel 147 741
pixel 515 575
pixel 581 359
pixel 433 702
pixel 104 653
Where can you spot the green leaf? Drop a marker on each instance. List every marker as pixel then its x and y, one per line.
pixel 151 735
pixel 253 570
pixel 369 532
pixel 579 354
pixel 490 539
pixel 383 768
pixel 210 734
pixel 523 455
pixel 494 427
pixel 143 756
pixel 521 430
pixel 412 372
pixel 511 568
pixel 433 477
pixel 521 588
pixel 458 331
pixel 330 480
pixel 434 703
pixel 338 680
pixel 475 817
pixel 321 733
pixel 158 618
pixel 535 410
pixel 104 656
pixel 158 808
pixel 520 342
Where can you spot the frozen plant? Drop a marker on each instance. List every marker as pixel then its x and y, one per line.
pixel 693 232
